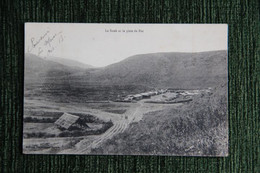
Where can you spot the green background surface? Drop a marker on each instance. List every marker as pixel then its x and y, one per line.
pixel 243 20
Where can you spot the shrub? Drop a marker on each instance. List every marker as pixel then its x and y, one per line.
pixel 39 120
pixel 39 135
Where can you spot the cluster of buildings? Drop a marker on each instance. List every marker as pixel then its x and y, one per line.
pixel 145 95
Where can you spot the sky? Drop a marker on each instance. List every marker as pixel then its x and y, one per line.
pixel 103 44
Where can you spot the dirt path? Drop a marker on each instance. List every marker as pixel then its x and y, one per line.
pixel 83 147
pixel 121 123
pixel 133 115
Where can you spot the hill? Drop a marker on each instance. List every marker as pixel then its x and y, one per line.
pixel 196 129
pixel 69 62
pixel 174 70
pixel 179 70
pixel 37 69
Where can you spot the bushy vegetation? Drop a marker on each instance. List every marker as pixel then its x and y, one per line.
pixel 197 128
pixel 39 135
pixel 87 118
pixel 39 120
pixel 77 133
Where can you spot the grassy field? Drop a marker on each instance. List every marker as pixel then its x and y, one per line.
pixel 197 128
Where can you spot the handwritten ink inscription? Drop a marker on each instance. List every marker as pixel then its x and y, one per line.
pixel 46 43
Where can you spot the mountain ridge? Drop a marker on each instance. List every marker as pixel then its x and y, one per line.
pixel 37 68
pixel 167 69
pixel 170 69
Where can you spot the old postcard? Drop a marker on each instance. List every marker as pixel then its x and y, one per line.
pixel 126 89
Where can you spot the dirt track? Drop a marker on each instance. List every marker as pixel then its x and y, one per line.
pixel 121 122
pixel 134 114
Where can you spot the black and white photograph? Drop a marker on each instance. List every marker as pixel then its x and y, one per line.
pixel 126 89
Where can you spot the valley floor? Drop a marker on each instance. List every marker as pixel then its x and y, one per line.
pixel 84 144
pixel 198 127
